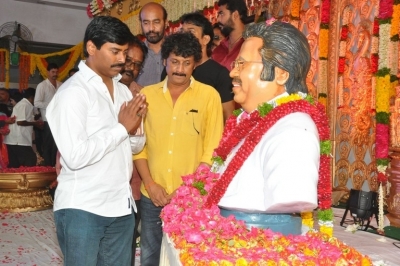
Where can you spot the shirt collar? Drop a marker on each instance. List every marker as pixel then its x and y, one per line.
pixel 165 88
pixel 88 73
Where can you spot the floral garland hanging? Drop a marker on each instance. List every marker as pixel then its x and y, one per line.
pixel 226 241
pixel 97 6
pixel 323 52
pixel 383 90
pixel 38 61
pixel 5 67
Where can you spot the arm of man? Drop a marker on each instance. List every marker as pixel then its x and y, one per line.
pixel 67 117
pixel 157 193
pixel 224 87
pixel 213 127
pixel 39 97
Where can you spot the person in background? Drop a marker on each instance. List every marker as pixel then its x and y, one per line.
pixel 94 119
pixel 4 131
pixel 5 99
pixel 72 71
pixel 45 91
pixel 231 15
pixel 19 141
pixel 153 20
pixel 218 36
pixel 207 70
pixel 184 116
pixel 137 51
pixel 15 98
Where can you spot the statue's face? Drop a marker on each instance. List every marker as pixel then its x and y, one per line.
pixel 249 89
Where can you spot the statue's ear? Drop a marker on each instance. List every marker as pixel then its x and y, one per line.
pixel 281 76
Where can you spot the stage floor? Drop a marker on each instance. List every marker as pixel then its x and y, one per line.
pixel 30 239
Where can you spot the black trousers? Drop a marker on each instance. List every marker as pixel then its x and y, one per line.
pixel 21 156
pixel 49 146
pixel 39 140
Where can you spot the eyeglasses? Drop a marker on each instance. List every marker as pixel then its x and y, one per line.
pixel 239 64
pixel 136 65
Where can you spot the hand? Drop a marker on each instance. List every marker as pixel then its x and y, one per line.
pixel 135 88
pixel 158 195
pixel 132 112
pixel 10 120
pixel 39 124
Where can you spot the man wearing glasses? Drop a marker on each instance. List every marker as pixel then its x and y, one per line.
pixel 137 52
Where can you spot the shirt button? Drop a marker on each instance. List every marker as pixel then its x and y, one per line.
pixel 170 152
pixel 174 118
pixel 172 134
pixel 169 170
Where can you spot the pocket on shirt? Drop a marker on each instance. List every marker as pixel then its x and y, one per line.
pixel 190 124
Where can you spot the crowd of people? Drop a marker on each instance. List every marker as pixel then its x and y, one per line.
pixel 165 101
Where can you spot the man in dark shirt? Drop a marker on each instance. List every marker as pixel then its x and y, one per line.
pixel 208 71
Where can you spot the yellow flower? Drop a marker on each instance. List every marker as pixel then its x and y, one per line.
pixel 241 262
pixel 323 43
pixel 326 230
pixel 290 98
pixel 226 263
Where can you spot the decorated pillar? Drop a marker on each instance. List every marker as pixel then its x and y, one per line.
pixel 394 194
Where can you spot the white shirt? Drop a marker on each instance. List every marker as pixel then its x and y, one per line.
pixel 21 135
pixel 96 151
pixel 281 174
pixel 44 93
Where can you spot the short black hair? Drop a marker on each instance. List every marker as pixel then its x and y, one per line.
pixel 200 20
pixel 183 44
pixel 235 5
pixel 16 96
pixel 4 109
pixel 286 47
pixel 51 66
pixel 165 14
pixel 135 41
pixel 5 90
pixel 29 92
pixel 73 70
pixel 103 29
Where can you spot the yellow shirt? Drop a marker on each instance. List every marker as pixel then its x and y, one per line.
pixel 180 136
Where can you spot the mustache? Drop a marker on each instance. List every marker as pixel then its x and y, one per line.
pixel 237 80
pixel 179 74
pixel 127 71
pixel 118 65
pixel 151 32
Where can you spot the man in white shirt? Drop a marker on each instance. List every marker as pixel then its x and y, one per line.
pixel 94 120
pixel 45 91
pixel 19 141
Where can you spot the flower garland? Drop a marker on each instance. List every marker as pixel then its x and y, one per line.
pixel 260 122
pixel 383 88
pixel 29 62
pixel 295 12
pixel 204 237
pixel 323 52
pixel 5 67
pixel 97 6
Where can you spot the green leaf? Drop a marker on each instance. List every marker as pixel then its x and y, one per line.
pixel 382 118
pixel 237 112
pixel 384 162
pixel 326 147
pixel 325 215
pixel 264 109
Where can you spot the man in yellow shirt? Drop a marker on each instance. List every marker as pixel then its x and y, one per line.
pixel 183 125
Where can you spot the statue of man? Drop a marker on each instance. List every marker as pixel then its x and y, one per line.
pixel 276 158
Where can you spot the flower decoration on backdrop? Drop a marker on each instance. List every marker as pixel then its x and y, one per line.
pixel 29 62
pixel 5 67
pixel 226 241
pixel 323 52
pixel 95 7
pixel 385 51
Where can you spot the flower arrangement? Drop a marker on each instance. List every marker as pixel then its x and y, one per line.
pixel 203 237
pixel 323 51
pixel 5 65
pixel 97 6
pixel 28 169
pixel 29 62
pixel 383 89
